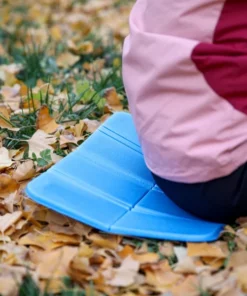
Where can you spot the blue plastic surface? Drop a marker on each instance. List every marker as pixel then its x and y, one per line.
pixel 105 183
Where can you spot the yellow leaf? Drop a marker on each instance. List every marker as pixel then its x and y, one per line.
pixel 8 220
pixel 7 185
pixel 163 280
pixel 81 265
pixel 79 128
pixel 48 240
pixel 79 21
pixel 4 117
pixel 216 250
pixel 85 251
pixel 215 263
pixel 55 264
pixel 56 33
pixel 111 242
pixel 112 97
pixel 146 258
pixel 5 160
pixel 83 48
pixel 126 251
pixel 45 122
pixel 66 60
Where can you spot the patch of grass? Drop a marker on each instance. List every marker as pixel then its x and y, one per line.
pixel 205 293
pixel 36 64
pixel 119 3
pixel 26 123
pixel 29 288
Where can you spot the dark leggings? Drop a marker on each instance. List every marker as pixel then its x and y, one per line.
pixel 220 200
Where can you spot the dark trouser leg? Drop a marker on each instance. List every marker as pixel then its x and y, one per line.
pixel 220 200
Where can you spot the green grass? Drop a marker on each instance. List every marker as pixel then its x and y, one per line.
pixel 29 288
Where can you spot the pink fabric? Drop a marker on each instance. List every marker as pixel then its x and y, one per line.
pixel 187 131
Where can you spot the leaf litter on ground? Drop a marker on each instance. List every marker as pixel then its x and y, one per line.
pixel 60 79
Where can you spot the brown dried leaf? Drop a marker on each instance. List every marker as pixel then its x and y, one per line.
pixel 48 240
pixel 8 286
pixel 8 220
pixel 5 160
pixel 92 125
pixel 55 264
pixel 41 141
pixel 188 287
pixel 237 259
pixel 146 258
pixel 66 60
pixel 163 280
pixel 45 122
pixel 7 185
pixel 216 250
pixel 113 99
pixel 24 171
pixel 126 251
pixel 126 274
pixel 111 242
pixel 4 117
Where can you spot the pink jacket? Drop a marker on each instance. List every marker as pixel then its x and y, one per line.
pixel 185 73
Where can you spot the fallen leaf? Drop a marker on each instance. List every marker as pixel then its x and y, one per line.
pixel 24 171
pixel 9 220
pixel 79 128
pixel 5 160
pixel 113 99
pixel 83 48
pixel 11 200
pixel 215 263
pixel 4 117
pixel 126 251
pixel 48 240
pixel 41 141
pixel 187 287
pixel 237 259
pixel 8 286
pixel 54 264
pixel 163 281
pixel 67 59
pixel 56 33
pixel 92 125
pixel 45 122
pixel 146 258
pixel 126 274
pixel 8 185
pixel 14 254
pixel 214 282
pixel 216 250
pixel 111 242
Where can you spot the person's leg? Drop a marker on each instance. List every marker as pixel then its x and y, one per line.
pixel 220 200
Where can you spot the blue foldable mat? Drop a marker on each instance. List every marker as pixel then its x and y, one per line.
pixel 106 184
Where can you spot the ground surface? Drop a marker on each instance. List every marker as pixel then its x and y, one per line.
pixel 60 78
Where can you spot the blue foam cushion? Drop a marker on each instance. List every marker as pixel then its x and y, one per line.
pixel 105 183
